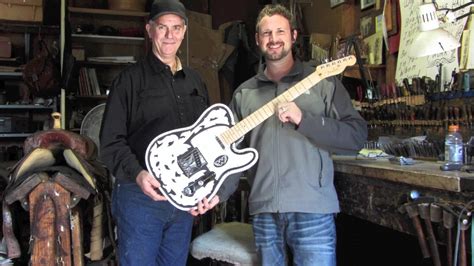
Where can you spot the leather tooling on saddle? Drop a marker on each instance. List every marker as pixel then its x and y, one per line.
pixel 58 170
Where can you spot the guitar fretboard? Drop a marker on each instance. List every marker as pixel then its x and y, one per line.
pixel 234 133
pixel 250 122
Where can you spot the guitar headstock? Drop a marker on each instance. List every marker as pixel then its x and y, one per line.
pixel 335 67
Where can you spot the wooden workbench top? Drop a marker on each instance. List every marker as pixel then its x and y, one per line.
pixel 422 173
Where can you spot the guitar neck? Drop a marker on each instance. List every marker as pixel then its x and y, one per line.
pixel 250 122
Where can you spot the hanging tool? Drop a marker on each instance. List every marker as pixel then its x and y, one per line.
pixel 424 209
pixel 413 213
pixel 463 224
pixel 448 223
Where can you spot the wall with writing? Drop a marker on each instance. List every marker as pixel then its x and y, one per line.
pixel 408 67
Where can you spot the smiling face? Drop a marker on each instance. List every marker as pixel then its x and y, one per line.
pixel 166 34
pixel 275 37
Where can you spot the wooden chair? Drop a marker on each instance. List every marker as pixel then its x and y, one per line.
pixel 227 242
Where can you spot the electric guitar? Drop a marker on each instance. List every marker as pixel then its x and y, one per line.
pixel 192 162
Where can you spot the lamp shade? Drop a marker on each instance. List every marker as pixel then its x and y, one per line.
pixel 431 39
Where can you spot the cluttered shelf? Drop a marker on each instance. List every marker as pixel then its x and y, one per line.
pixel 375 67
pixel 27 27
pixel 90 97
pixel 18 121
pixel 391 195
pixel 110 12
pixel 14 135
pixel 118 63
pixel 25 107
pixel 421 173
pixel 104 41
pixel 108 38
pixel 11 75
pixel 377 72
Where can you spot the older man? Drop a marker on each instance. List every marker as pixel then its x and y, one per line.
pixel 153 96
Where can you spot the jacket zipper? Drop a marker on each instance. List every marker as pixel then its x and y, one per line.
pixel 277 177
pixel 320 178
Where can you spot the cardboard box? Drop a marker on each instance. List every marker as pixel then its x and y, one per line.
pixel 207 51
pixel 132 5
pixel 350 20
pixel 78 52
pixel 21 10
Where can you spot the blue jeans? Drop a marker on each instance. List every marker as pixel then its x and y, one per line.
pixel 311 238
pixel 149 232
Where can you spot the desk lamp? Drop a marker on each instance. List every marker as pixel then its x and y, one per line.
pixel 432 39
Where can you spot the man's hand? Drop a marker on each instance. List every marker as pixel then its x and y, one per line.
pixel 204 205
pixel 289 112
pixel 149 185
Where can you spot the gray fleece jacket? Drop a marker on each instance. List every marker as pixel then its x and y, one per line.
pixel 295 172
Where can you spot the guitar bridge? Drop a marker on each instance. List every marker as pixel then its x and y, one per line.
pixel 198 183
pixel 191 162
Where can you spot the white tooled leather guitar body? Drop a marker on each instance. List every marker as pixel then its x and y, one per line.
pixel 192 162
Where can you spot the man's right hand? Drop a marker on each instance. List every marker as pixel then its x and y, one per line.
pixel 149 185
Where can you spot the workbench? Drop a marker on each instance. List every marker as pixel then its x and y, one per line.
pixel 374 190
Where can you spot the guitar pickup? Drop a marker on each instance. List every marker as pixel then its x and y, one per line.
pixel 198 183
pixel 191 162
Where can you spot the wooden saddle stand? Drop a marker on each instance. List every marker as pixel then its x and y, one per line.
pixel 66 192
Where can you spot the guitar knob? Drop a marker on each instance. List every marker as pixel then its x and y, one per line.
pixel 187 191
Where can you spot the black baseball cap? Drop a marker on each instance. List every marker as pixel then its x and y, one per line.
pixel 163 7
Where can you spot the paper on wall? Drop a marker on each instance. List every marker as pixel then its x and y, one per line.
pixel 408 67
pixel 467 50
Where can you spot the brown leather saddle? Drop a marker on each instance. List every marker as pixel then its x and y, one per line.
pixel 60 156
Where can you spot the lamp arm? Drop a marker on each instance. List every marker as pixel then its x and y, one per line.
pixel 452 10
pixel 462 6
pixel 465 15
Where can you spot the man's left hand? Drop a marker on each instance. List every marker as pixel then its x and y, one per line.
pixel 204 205
pixel 289 112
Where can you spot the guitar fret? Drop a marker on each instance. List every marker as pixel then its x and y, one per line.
pixel 280 99
pixel 303 88
pixel 233 138
pixel 247 126
pixel 307 82
pixel 222 138
pixel 230 136
pixel 227 139
pixel 241 128
pixel 267 109
pixel 259 115
pixel 292 96
pixel 297 90
pixel 254 120
pixel 290 93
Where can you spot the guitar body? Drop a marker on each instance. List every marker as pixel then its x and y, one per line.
pixel 192 163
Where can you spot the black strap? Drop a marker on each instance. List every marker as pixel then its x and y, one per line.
pixel 352 42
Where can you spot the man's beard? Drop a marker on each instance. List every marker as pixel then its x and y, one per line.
pixel 277 56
